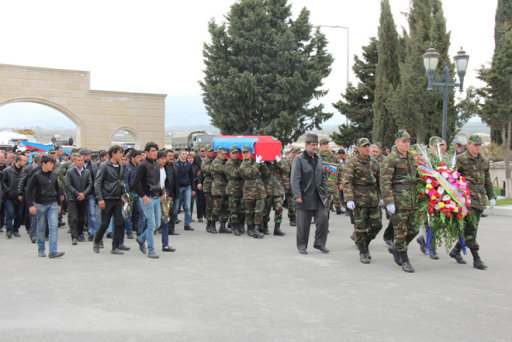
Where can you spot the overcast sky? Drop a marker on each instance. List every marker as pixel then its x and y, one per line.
pixel 156 46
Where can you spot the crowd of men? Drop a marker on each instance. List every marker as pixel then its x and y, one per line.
pixel 132 194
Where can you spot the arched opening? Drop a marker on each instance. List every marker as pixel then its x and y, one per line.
pixel 126 137
pixel 40 121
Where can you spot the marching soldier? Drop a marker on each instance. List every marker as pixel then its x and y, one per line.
pixel 398 175
pixel 207 184
pixel 333 187
pixel 234 191
pixel 253 192
pixel 219 184
pixel 275 193
pixel 360 186
pixel 475 167
pixel 286 172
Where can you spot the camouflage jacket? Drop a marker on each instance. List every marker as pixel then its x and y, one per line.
pixel 398 177
pixel 235 181
pixel 206 166
pixel 219 178
pixel 476 171
pixel 286 166
pixel 273 183
pixel 251 172
pixel 61 174
pixel 328 156
pixel 361 181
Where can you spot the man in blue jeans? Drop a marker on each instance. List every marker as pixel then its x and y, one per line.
pixel 146 184
pixel 185 178
pixel 13 206
pixel 43 197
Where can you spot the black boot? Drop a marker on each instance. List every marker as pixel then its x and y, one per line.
pixel 257 234
pixel 264 228
pixel 172 229
pixel 213 229
pixel 293 222
pixel 455 253
pixel 388 234
pixel 362 254
pixel 223 229
pixel 477 262
pixel 208 226
pixel 241 228
pixel 277 230
pixel 367 246
pixel 406 265
pixel 250 229
pixel 236 229
pixel 339 211
pixel 422 243
pixel 396 256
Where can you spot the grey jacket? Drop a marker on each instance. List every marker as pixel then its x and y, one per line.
pixel 308 182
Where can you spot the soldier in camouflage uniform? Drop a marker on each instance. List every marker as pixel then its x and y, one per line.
pixel 398 176
pixel 234 191
pixel 360 186
pixel 275 192
pixel 253 192
pixel 285 178
pixel 220 203
pixel 333 187
pixel 475 167
pixel 206 165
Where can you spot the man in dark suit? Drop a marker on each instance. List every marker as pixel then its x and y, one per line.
pixel 309 188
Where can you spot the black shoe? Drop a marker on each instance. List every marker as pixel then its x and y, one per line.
pixel 189 228
pixel 208 226
pixel 142 247
pixel 153 256
pixel 339 211
pixel 223 229
pixel 264 229
pixel 241 227
pixel 81 238
pixel 17 234
pixel 363 257
pixel 74 241
pixel 116 251
pixel 278 231
pixel 321 249
pixel 168 249
pixel 422 243
pixel 213 229
pixel 236 229
pixel 250 230
pixel 174 233
pixel 293 222
pixel 61 224
pixel 177 221
pixel 123 248
pixel 90 238
pixel 483 215
pixel 303 251
pixel 200 220
pixel 56 254
pixel 101 244
pixel 396 256
pixel 455 253
pixel 477 262
pixel 130 236
pixel 96 247
pixel 109 235
pixel 256 233
pixel 388 242
pixel 8 234
pixel 33 239
pixel 406 264
pixel 433 255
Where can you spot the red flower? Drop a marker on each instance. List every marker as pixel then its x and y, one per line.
pixel 448 214
pixel 422 195
pixel 443 164
pixel 459 217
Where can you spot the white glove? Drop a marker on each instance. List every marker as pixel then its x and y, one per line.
pixel 493 202
pixel 351 205
pixel 278 159
pixel 259 159
pixel 381 202
pixel 391 208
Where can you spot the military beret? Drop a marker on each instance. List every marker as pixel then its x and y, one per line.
pixel 246 149
pixel 85 152
pixel 324 141
pixel 475 139
pixel 233 149
pixel 209 148
pixel 311 138
pixel 435 140
pixel 295 150
pixel 221 150
pixel 363 141
pixel 402 134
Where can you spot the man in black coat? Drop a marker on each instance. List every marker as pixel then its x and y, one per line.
pixel 309 188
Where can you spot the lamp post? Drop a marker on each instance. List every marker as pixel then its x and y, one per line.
pixel 444 84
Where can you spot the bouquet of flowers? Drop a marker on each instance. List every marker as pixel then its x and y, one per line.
pixel 444 198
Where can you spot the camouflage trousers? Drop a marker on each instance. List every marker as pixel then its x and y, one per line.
pixel 236 209
pixel 333 197
pixel 275 202
pixel 220 208
pixel 368 223
pixel 254 211
pixel 471 222
pixel 209 205
pixel 404 228
pixel 291 206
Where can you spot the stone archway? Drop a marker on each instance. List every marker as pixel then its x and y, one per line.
pixel 139 144
pixel 96 113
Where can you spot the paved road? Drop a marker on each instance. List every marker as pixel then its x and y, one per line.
pixel 227 288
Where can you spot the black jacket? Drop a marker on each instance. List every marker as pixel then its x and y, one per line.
pixel 147 178
pixel 171 185
pixel 28 171
pixel 10 181
pixel 108 183
pixel 176 170
pixel 43 188
pixel 77 183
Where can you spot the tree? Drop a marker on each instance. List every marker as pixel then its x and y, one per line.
pixel 357 102
pixel 263 69
pixel 387 76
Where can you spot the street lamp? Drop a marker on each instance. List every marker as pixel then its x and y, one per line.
pixel 444 84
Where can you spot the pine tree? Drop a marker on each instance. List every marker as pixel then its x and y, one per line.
pixel 263 69
pixel 357 102
pixel 387 77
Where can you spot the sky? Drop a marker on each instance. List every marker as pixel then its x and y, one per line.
pixel 155 46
